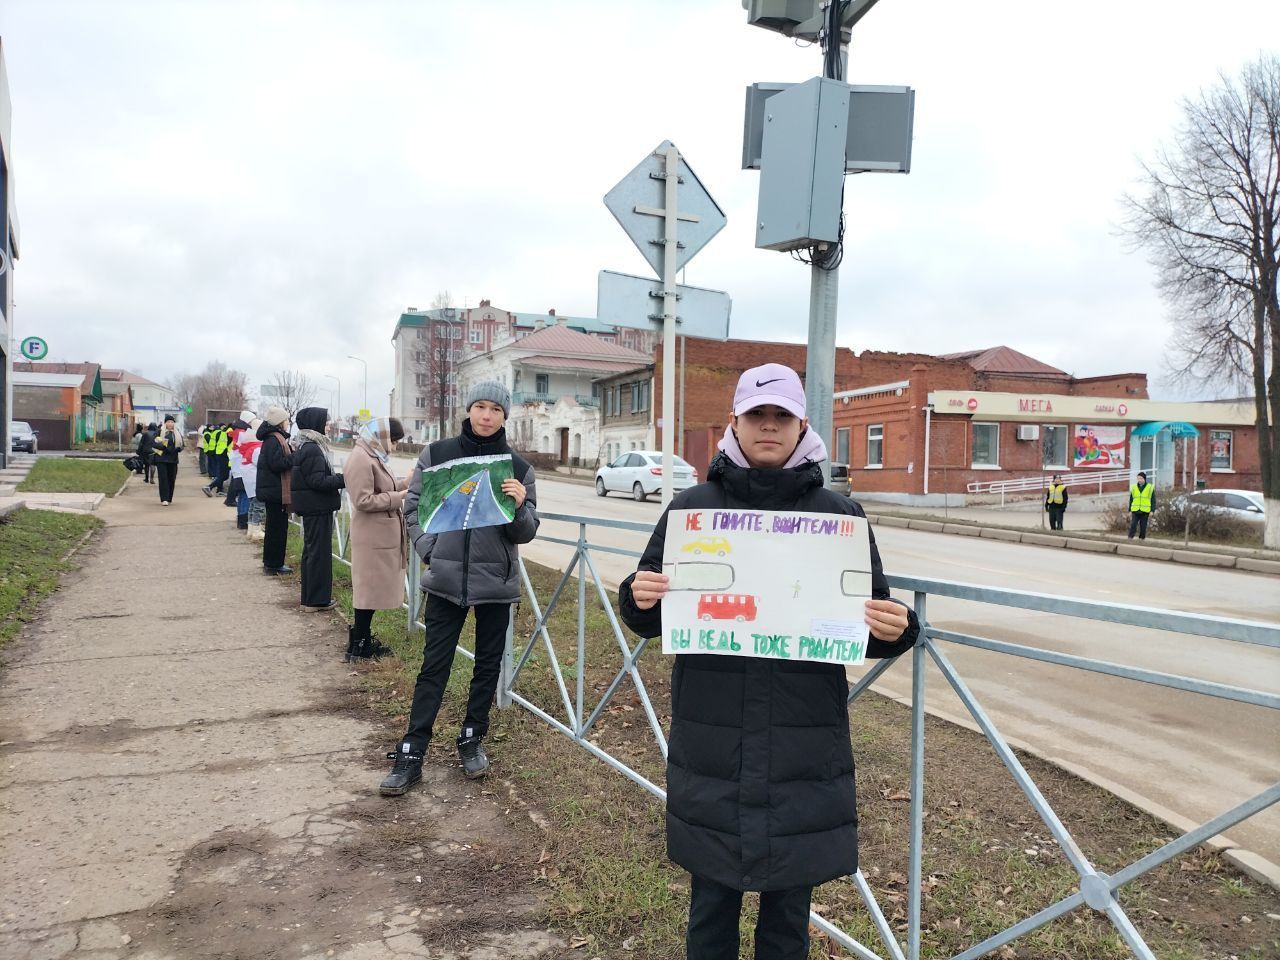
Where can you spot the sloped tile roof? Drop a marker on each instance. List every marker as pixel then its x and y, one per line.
pixel 1004 359
pixel 560 339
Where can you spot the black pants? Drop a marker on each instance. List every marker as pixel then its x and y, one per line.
pixel 148 469
pixel 167 475
pixel 275 535
pixel 204 464
pixel 444 622
pixel 1055 515
pixel 364 622
pixel 1138 524
pixel 317 559
pixel 782 930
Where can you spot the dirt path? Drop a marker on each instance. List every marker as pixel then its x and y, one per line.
pixel 187 769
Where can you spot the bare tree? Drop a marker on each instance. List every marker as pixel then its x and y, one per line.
pixel 1209 217
pixel 294 390
pixel 436 366
pixel 216 387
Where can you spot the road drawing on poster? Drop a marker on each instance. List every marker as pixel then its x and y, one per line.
pixel 759 583
pixel 465 494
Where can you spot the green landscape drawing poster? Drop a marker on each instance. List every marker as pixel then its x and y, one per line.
pixel 465 494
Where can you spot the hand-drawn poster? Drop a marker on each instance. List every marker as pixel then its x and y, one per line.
pixel 763 583
pixel 1101 447
pixel 466 493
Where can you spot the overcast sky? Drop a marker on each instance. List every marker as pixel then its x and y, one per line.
pixel 271 183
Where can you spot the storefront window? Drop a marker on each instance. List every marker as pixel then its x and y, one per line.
pixel 1219 449
pixel 875 445
pixel 1054 452
pixel 986 444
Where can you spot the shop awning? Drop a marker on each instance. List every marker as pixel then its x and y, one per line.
pixel 1177 428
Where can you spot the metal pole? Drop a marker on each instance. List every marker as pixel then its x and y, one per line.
pixel 671 170
pixel 338 418
pixel 820 355
pixel 914 864
pixel 683 341
pixel 928 424
pixel 365 404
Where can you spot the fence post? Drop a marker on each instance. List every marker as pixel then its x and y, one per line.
pixel 413 589
pixel 507 666
pixel 914 873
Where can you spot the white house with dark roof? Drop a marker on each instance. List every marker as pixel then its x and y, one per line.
pixel 555 398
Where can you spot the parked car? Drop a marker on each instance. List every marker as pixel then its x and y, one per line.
pixel 1247 505
pixel 640 474
pixel 840 479
pixel 22 437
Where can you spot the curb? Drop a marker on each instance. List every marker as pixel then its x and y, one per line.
pixel 1166 554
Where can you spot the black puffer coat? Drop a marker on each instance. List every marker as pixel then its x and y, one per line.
pixel 274 460
pixel 316 488
pixel 467 567
pixel 760 787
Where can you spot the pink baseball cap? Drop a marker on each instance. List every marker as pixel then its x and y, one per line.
pixel 771 383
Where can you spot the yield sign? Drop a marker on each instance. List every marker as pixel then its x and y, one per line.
pixel 637 202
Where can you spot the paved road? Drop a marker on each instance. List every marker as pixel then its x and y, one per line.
pixel 1195 756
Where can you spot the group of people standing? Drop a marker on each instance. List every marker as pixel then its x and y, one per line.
pixel 158 447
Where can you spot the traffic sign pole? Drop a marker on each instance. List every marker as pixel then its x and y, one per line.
pixel 669 247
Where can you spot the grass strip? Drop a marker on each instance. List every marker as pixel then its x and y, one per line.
pixel 64 475
pixel 32 545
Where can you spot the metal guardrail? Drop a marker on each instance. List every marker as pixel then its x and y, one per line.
pixel 1096 889
pixel 1040 482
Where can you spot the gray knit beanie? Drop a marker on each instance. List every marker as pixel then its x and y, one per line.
pixel 276 416
pixel 490 390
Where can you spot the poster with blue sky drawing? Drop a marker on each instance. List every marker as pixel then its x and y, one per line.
pixel 465 494
pixel 762 583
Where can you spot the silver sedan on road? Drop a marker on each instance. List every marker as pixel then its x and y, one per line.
pixel 640 474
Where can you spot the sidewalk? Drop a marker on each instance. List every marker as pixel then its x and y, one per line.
pixel 189 769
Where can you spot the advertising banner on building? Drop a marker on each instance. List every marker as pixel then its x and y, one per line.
pixel 1219 449
pixel 1099 447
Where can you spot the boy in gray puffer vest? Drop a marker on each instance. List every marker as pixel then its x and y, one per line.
pixel 476 568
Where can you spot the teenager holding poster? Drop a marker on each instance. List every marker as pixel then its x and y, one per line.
pixel 468 541
pixel 760 785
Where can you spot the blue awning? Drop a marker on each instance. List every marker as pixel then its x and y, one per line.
pixel 1177 428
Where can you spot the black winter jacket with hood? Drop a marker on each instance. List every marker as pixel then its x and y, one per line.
pixel 467 567
pixel 760 784
pixel 316 488
pixel 273 461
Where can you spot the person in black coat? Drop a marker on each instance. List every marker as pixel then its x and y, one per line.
pixel 317 496
pixel 760 777
pixel 146 446
pixel 274 465
pixel 166 446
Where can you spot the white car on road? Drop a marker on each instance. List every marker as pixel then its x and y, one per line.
pixel 1247 505
pixel 640 474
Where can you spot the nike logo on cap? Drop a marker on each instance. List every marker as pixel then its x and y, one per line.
pixel 761 383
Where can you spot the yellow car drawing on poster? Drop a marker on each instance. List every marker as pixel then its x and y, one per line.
pixel 717 545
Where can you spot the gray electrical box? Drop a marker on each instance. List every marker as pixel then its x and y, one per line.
pixel 802 165
pixel 881 119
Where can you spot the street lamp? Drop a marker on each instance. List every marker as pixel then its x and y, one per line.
pixel 338 418
pixel 365 405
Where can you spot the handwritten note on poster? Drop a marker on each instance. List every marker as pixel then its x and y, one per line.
pixel 763 583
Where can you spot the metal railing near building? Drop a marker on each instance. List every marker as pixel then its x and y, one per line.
pixel 574 717
pixel 1041 482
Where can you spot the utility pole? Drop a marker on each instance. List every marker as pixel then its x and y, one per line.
pixel 365 403
pixel 338 418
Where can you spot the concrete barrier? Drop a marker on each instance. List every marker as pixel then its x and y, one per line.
pixel 1150 553
pixel 931 526
pixel 1258 566
pixel 1091 546
pixel 961 529
pixel 902 522
pixel 1044 540
pixel 1203 559
pixel 995 533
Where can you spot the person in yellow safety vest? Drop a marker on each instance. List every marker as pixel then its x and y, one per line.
pixel 203 446
pixel 1055 501
pixel 1142 500
pixel 219 466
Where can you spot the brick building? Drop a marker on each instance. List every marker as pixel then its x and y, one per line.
pixel 915 428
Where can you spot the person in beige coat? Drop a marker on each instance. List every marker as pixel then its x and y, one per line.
pixel 377 533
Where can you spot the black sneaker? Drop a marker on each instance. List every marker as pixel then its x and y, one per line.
pixel 276 571
pixel 475 764
pixel 207 491
pixel 405 772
